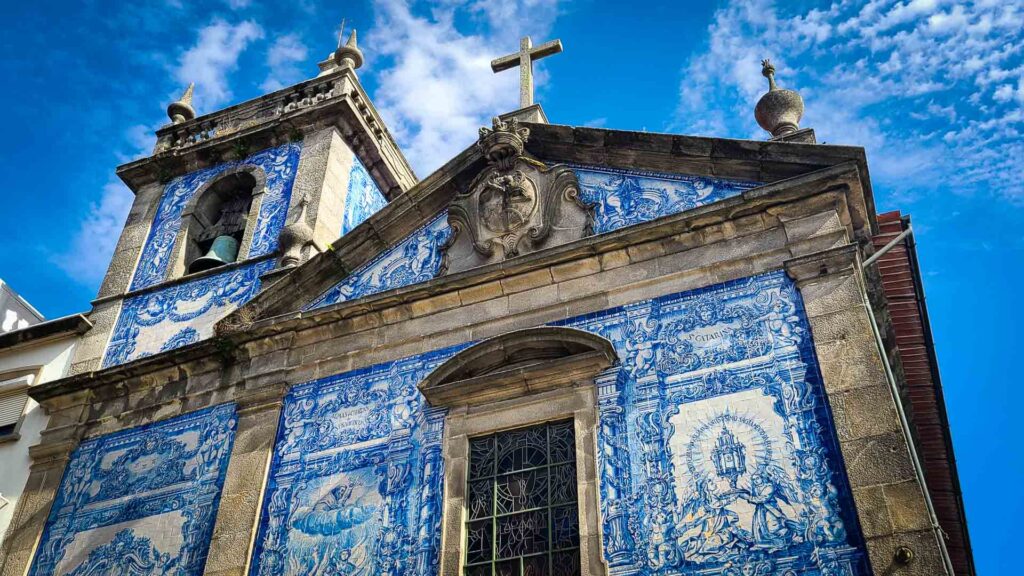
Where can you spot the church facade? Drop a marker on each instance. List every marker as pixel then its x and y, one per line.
pixel 567 351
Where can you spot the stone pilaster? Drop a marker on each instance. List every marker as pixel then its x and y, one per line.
pixel 322 177
pixel 889 499
pixel 234 530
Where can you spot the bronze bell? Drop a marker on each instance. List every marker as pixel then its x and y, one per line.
pixel 223 251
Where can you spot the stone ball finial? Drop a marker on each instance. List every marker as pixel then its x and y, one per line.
pixel 779 110
pixel 295 236
pixel 182 111
pixel 349 55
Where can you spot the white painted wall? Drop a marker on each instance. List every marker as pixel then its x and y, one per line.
pixel 15 312
pixel 48 361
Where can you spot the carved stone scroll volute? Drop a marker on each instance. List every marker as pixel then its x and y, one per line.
pixel 516 206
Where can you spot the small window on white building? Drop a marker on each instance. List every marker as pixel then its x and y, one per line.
pixel 13 399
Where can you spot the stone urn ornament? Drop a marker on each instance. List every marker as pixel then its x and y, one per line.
pixel 779 111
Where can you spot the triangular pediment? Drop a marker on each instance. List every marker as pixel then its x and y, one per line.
pixel 626 178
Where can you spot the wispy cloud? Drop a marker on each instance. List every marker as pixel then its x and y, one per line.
pixel 93 243
pixel 283 59
pixel 436 85
pixel 213 57
pixel 933 89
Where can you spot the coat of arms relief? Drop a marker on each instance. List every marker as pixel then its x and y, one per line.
pixel 516 206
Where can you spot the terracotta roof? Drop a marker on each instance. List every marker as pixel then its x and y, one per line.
pixel 901 280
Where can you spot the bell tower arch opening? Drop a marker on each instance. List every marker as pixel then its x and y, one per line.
pixel 217 224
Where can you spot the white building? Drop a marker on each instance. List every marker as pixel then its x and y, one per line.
pixel 15 312
pixel 29 356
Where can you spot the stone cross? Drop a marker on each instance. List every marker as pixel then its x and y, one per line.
pixel 524 59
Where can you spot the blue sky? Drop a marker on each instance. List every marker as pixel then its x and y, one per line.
pixel 934 90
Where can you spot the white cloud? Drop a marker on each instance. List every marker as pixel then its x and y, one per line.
pixel 283 59
pixel 931 88
pixel 213 57
pixel 436 85
pixel 239 4
pixel 93 244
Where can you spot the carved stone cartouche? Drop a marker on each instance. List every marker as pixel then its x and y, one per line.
pixel 515 206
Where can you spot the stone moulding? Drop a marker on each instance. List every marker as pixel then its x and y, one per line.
pixel 516 364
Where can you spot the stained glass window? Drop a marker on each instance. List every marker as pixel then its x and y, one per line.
pixel 522 513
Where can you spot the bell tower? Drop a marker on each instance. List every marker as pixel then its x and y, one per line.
pixel 231 200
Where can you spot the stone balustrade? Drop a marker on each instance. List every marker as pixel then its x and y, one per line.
pixel 259 111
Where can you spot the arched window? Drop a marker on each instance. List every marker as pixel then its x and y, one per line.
pixel 218 221
pixel 520 452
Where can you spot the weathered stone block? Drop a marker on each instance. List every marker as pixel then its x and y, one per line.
pixel 876 460
pixel 906 506
pixel 872 511
pixel 435 304
pixel 575 269
pixel 481 292
pixel 864 412
pixel 526 281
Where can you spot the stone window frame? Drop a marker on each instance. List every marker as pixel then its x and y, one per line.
pixel 521 379
pixel 179 254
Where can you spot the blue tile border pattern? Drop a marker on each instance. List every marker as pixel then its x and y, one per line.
pixel 277 164
pixel 181 314
pixel 140 501
pixel 621 197
pixel 714 422
pixel 362 198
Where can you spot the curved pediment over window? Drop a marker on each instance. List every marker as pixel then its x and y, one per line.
pixel 517 364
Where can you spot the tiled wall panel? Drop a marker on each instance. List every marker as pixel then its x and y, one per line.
pixel 140 501
pixel 717 451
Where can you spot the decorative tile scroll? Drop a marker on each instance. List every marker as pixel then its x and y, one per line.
pixel 717 452
pixel 278 165
pixel 181 314
pixel 622 198
pixel 140 501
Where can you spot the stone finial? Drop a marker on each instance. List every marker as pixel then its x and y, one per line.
pixel 182 111
pixel 503 143
pixel 349 55
pixel 295 236
pixel 779 110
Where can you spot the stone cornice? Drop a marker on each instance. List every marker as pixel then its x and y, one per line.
pixel 753 160
pixel 521 381
pixel 335 99
pixel 839 260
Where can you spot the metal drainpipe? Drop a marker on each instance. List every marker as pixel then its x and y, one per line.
pixel 940 535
